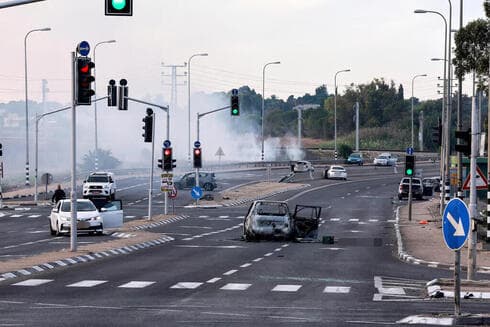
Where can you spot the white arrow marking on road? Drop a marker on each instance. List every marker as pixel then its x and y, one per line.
pixel 459 230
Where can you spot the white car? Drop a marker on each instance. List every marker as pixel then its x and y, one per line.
pixel 303 166
pixel 99 184
pixel 385 159
pixel 335 172
pixel 89 218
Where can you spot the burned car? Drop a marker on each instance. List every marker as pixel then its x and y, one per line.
pixel 272 219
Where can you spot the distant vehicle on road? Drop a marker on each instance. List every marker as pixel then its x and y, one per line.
pixel 99 185
pixel 272 219
pixel 335 172
pixel 417 190
pixel 303 166
pixel 355 159
pixel 431 185
pixel 207 180
pixel 91 218
pixel 385 159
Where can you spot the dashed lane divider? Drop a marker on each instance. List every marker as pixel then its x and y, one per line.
pixel 263 196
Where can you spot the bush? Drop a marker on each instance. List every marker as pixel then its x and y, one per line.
pixel 344 151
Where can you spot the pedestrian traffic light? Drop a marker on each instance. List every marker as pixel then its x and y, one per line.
pixel 84 92
pixel 437 133
pixel 197 158
pixel 409 165
pixel 463 142
pixel 112 94
pixel 119 7
pixel 235 106
pixel 168 163
pixel 123 95
pixel 148 126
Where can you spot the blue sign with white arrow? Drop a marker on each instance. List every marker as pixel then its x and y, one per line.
pixel 196 192
pixel 456 224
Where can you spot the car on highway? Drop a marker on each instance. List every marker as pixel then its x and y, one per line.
pixel 335 171
pixel 207 181
pixel 355 159
pixel 431 185
pixel 90 218
pixel 417 190
pixel 272 219
pixel 303 166
pixel 99 185
pixel 385 159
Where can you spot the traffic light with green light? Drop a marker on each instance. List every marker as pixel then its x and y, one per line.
pixel 235 106
pixel 119 7
pixel 409 165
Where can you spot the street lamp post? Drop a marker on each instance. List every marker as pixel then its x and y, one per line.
pixel 95 108
pixel 263 104
pixel 189 101
pixel 335 110
pixel 27 105
pixel 413 79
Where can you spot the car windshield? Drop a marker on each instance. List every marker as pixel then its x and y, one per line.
pixel 338 168
pixel 81 206
pixel 271 209
pixel 97 179
pixel 382 157
pixel 355 155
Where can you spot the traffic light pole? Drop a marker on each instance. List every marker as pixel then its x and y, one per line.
pixel 150 191
pixel 165 194
pixel 199 116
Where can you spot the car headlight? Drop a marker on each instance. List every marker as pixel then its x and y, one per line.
pixel 95 218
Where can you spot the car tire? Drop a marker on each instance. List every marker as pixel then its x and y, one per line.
pixel 51 230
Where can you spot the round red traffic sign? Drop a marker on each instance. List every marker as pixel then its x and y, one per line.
pixel 173 193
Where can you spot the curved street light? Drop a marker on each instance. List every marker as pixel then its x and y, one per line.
pixel 263 104
pixel 413 80
pixel 335 109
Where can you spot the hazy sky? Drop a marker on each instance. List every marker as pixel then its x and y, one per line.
pixel 312 38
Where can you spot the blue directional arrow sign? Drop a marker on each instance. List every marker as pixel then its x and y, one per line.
pixel 196 192
pixel 455 224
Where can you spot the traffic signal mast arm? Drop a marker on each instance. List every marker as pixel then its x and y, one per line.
pixel 207 113
pixel 164 108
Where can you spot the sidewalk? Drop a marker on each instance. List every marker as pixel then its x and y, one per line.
pixel 422 241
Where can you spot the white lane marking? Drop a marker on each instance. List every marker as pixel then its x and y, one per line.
pixel 186 285
pixel 224 217
pixel 2 214
pixel 33 282
pixel 286 288
pixel 268 254
pixel 334 219
pixel 391 290
pixel 391 221
pixel 235 287
pixel 426 320
pixel 34 216
pixel 257 260
pixel 37 232
pixel 136 284
pixel 128 217
pixel 332 249
pixel 211 246
pixel 353 219
pixel 373 220
pixel 230 272
pixel 213 280
pixel 356 231
pixel 336 289
pixel 87 283
pixel 203 216
pixel 33 242
pixel 200 227
pixel 245 265
pixel 16 216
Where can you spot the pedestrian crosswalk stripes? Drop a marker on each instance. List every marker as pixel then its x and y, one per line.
pixel 212 283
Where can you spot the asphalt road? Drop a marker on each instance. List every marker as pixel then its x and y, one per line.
pixel 208 276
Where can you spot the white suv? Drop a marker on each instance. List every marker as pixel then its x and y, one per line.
pixel 100 184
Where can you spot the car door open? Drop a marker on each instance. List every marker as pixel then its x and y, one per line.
pixel 112 214
pixel 305 222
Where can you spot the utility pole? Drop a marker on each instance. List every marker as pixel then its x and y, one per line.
pixel 44 91
pixel 173 84
pixel 357 126
pixel 475 131
pixel 421 131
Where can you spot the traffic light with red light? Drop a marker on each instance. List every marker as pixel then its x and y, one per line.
pixel 197 158
pixel 119 7
pixel 168 163
pixel 84 90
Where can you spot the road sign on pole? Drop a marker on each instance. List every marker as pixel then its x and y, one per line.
pixel 410 151
pixel 481 182
pixel 455 224
pixel 196 192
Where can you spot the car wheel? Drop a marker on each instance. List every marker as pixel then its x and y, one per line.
pixel 208 187
pixel 51 230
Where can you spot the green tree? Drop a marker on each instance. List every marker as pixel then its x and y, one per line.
pixel 105 160
pixel 472 48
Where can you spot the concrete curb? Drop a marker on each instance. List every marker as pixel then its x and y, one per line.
pixel 264 196
pixel 84 258
pixel 158 223
pixel 404 256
